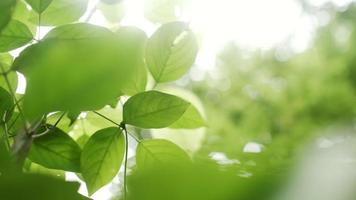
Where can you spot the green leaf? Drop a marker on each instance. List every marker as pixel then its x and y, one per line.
pixel 171 51
pixel 39 5
pixel 190 119
pixel 113 12
pixel 162 11
pixel 6 9
pixel 77 67
pixel 6 105
pixel 5 65
pixel 61 12
pixel 139 81
pixel 153 109
pixel 56 150
pixel 158 152
pixel 102 157
pixel 14 35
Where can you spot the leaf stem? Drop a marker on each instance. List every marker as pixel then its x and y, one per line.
pixel 125 162
pixel 14 97
pixel 50 128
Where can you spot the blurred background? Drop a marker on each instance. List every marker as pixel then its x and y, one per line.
pixel 276 80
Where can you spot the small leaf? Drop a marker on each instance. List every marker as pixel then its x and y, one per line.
pixel 77 67
pixel 190 119
pixel 61 12
pixel 14 35
pixel 6 106
pixel 39 5
pixel 102 157
pixel 113 12
pixel 56 150
pixel 158 152
pixel 171 51
pixel 153 109
pixel 162 11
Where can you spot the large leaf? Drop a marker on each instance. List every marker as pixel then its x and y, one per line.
pixel 171 51
pixel 14 35
pixel 39 5
pixel 153 109
pixel 61 12
pixel 102 157
pixel 6 105
pixel 190 119
pixel 157 152
pixel 139 80
pixel 6 9
pixel 77 67
pixel 56 150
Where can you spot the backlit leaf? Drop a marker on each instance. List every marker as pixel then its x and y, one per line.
pixel 171 51
pixel 39 5
pixel 101 158
pixel 14 35
pixel 153 109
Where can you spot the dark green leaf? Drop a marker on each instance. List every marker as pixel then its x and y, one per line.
pixel 153 109
pixel 39 5
pixel 56 150
pixel 6 9
pixel 77 67
pixel 14 35
pixel 171 51
pixel 151 153
pixel 101 158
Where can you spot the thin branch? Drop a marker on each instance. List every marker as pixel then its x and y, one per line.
pixel 14 97
pixel 6 131
pixel 125 162
pixel 103 116
pixel 50 128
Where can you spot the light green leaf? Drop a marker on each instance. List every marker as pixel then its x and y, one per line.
pixel 22 14
pixel 102 157
pixel 56 150
pixel 171 51
pixel 153 109
pixel 61 12
pixel 14 35
pixel 162 11
pixel 5 65
pixel 113 12
pixel 139 80
pixel 6 9
pixel 6 105
pixel 39 5
pixel 158 152
pixel 77 67
pixel 190 119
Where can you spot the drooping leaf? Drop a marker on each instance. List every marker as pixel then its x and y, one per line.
pixel 56 150
pixel 14 35
pixel 39 5
pixel 101 158
pixel 6 105
pixel 61 12
pixel 5 65
pixel 158 152
pixel 171 51
pixel 77 67
pixel 163 11
pixel 139 80
pixel 190 119
pixel 6 9
pixel 153 109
